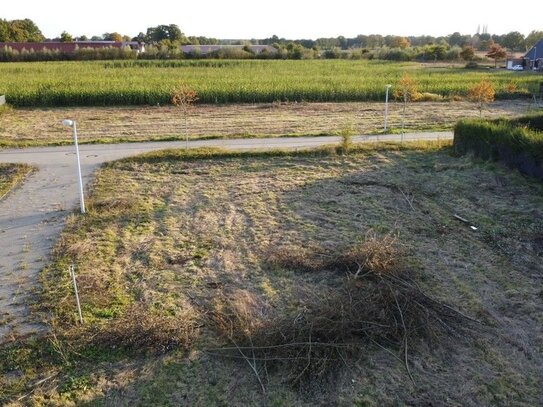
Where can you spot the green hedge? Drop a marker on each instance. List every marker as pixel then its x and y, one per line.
pixel 516 142
pixel 533 122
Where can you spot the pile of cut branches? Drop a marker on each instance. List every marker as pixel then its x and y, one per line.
pixel 378 304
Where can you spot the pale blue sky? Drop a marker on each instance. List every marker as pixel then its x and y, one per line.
pixel 285 18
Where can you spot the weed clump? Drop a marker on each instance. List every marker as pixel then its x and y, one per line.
pixel 113 205
pixel 139 329
pixel 375 254
pixel 377 304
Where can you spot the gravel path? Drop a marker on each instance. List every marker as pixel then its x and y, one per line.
pixel 32 216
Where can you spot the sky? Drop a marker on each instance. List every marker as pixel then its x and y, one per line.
pixel 291 19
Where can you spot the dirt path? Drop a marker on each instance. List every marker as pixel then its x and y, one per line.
pixel 32 216
pixel 42 126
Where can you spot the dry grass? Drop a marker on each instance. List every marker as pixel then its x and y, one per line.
pixel 375 254
pixel 265 250
pixel 140 329
pixel 382 307
pixel 11 175
pixel 43 126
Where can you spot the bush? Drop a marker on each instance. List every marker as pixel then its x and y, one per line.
pixel 472 65
pixel 516 142
pixel 333 53
pixel 430 97
pixel 454 54
pixel 533 122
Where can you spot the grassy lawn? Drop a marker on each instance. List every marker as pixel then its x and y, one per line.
pixel 11 175
pixel 199 270
pixel 34 127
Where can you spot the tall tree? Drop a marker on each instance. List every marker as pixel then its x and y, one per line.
pixel 484 41
pixel 438 51
pixel 140 37
pixel 514 41
pixel 27 31
pixel 458 39
pixel 496 52
pixel 375 41
pixel 4 31
pixel 113 37
pixel 467 53
pixel 20 31
pixel 342 42
pixel 533 38
pixel 395 41
pixel 66 37
pixel 165 32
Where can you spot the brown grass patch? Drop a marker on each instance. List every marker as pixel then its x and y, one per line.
pixel 379 304
pixel 140 329
pixel 98 124
pixel 112 205
pixel 11 175
pixel 374 254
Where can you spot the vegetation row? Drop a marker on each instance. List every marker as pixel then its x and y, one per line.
pixel 516 142
pixel 169 51
pixel 164 41
pixel 95 83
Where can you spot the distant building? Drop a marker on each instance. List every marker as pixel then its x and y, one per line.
pixel 70 47
pixel 208 49
pixel 515 59
pixel 534 57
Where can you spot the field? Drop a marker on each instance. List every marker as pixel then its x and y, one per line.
pixel 10 176
pixel 184 254
pixel 150 82
pixel 42 126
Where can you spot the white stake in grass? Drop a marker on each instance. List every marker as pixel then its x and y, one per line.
pixel 72 274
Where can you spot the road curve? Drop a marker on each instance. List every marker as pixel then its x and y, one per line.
pixel 32 216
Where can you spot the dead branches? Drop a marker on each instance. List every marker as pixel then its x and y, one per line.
pixel 378 303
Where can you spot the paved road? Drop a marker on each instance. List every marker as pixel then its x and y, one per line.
pixel 32 216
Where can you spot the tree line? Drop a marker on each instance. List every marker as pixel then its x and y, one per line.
pixel 164 41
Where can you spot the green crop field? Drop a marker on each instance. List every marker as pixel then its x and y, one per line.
pixel 150 82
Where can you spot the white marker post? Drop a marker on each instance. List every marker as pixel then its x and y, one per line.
pixel 72 274
pixel 71 123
